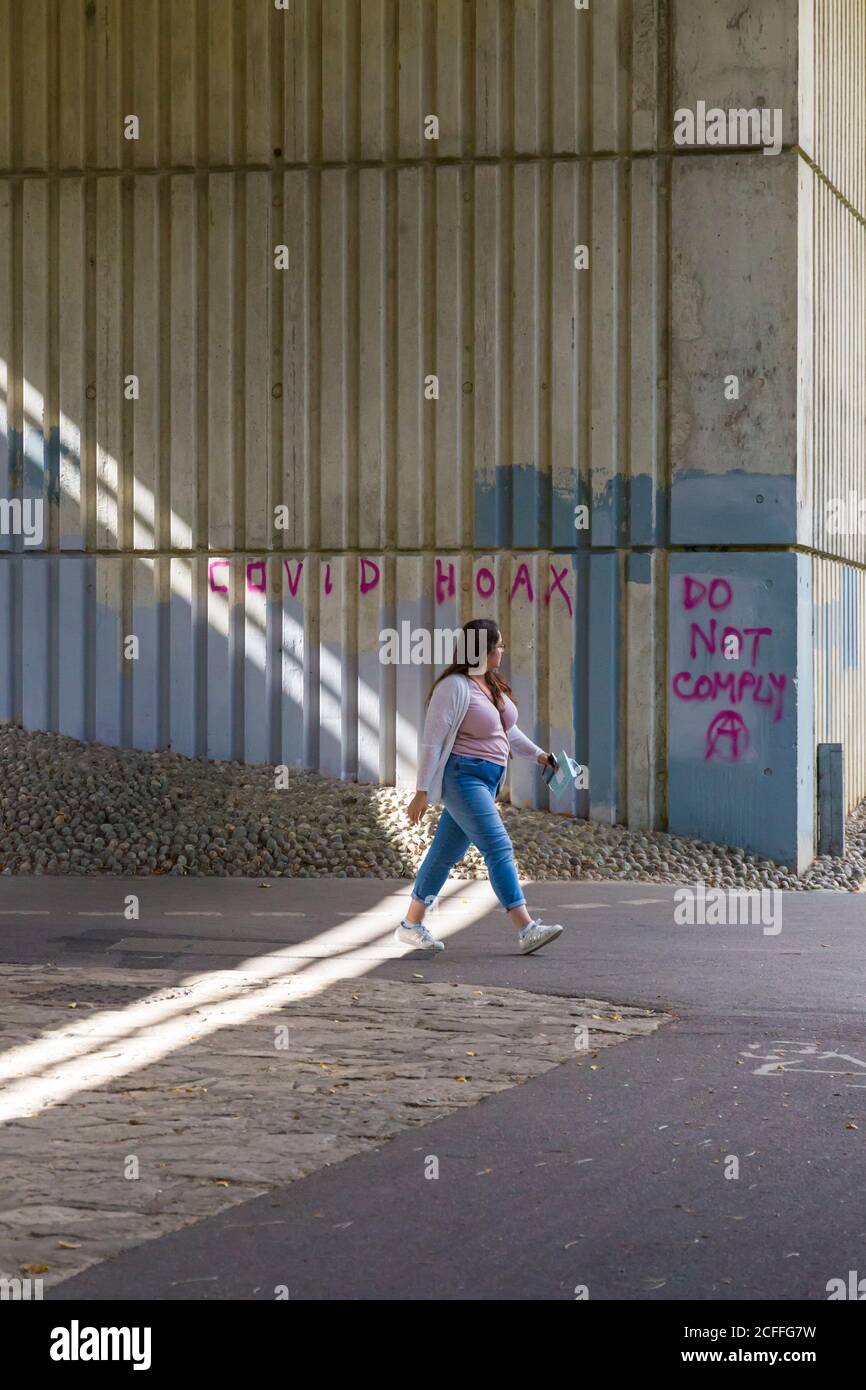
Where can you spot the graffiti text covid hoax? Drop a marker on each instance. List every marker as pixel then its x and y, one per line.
pixel 370 576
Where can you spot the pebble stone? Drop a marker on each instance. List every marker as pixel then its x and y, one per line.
pixel 68 807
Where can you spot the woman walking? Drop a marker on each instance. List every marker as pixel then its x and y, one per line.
pixel 469 732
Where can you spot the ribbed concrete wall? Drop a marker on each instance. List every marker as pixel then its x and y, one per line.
pixel 832 355
pixel 839 594
pixel 832 362
pixel 260 386
pixel 832 94
pixel 238 82
pixel 305 387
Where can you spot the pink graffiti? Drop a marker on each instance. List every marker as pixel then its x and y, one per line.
pixel 730 725
pixel 257 588
pixel 293 583
pixel 709 687
pixel 727 736
pixel 446 580
pixel 692 599
pixel 368 584
pixel 217 588
pixel 522 577
pixel 556 583
pixel 710 641
pixel 370 578
pixel 485 593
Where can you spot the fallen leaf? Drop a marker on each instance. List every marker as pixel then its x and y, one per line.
pixel 851 1125
pixel 221 1182
pixel 69 1245
pixel 459 1078
pixel 469 1054
pixel 34 1269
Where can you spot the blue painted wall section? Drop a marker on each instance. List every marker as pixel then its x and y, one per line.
pixel 740 747
pixel 806 769
pixel 735 507
pixel 603 684
pixel 582 749
pixel 522 508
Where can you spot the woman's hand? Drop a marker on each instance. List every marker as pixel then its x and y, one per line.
pixel 543 759
pixel 417 807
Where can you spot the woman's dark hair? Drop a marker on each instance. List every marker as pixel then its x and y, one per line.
pixel 492 679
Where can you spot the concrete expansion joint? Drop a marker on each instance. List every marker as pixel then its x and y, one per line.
pixel 828 183
pixel 427 551
pixel 429 161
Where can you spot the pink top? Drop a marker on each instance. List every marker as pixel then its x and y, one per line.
pixel 481 734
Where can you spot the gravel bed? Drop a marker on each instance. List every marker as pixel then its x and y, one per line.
pixel 81 808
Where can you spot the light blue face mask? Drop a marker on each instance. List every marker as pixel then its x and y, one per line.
pixel 566 774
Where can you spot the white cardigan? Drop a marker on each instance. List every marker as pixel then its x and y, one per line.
pixel 445 713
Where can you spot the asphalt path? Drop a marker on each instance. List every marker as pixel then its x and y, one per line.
pixel 719 1158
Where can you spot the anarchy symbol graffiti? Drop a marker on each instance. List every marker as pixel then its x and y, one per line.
pixel 730 726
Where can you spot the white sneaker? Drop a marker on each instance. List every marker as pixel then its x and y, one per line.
pixel 417 935
pixel 534 935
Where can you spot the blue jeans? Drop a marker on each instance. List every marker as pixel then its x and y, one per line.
pixel 469 788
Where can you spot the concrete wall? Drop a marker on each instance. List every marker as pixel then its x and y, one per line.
pixel 768 283
pixel 832 355
pixel 304 386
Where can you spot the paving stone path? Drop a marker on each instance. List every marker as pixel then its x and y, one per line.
pixel 225 1116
